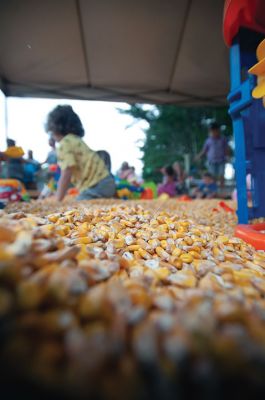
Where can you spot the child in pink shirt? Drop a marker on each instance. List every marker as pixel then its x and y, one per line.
pixel 169 183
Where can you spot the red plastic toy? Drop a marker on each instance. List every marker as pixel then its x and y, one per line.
pixel 147 194
pixel 73 191
pixel 184 197
pixel 225 207
pixel 252 234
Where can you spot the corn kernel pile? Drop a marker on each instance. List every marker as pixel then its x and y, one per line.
pixel 98 291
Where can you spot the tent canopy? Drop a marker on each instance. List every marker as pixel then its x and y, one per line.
pixel 152 51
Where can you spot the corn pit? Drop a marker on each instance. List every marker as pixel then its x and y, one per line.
pixel 95 295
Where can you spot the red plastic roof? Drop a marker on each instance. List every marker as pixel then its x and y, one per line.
pixel 243 13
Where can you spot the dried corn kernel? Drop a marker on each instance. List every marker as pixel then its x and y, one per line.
pixel 176 252
pixel 162 253
pixel 162 273
pixel 186 258
pixel 118 274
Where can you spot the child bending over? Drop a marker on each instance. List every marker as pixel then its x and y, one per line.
pixel 79 165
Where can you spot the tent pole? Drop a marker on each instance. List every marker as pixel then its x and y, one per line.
pixel 6 117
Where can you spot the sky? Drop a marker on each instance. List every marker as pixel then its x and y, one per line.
pixel 105 127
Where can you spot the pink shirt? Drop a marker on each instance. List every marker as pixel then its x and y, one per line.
pixel 168 188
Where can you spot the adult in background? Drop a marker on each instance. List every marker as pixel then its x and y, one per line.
pixel 216 150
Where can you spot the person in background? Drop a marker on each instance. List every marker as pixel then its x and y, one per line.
pixel 49 174
pixel 31 159
pixel 10 143
pixel 124 171
pixel 52 156
pixel 207 189
pixel 14 161
pixel 216 150
pixel 132 178
pixel 169 182
pixel 79 165
pixel 31 168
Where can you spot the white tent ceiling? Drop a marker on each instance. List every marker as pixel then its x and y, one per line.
pixel 153 51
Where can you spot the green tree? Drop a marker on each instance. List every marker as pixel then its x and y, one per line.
pixel 172 132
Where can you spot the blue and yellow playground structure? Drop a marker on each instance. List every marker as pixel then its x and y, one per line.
pixel 244 33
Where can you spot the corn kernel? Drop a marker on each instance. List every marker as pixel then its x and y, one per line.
pixel 162 273
pixel 144 254
pixel 162 253
pixel 133 247
pixel 176 252
pixel 186 258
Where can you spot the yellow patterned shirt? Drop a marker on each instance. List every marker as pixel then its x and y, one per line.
pixel 87 167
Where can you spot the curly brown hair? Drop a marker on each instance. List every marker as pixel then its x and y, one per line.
pixel 63 120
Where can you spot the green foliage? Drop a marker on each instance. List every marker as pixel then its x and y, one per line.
pixel 173 131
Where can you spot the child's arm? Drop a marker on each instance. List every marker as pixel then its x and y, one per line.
pixel 203 152
pixel 63 183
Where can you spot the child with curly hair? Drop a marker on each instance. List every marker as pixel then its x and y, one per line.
pixel 79 165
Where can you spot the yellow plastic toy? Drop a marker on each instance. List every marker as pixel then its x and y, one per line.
pixel 12 190
pixel 259 69
pixel 124 193
pixel 163 197
pixel 13 183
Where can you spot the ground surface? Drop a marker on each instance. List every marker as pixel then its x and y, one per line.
pixel 149 299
